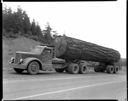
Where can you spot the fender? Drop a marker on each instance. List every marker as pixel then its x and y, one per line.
pixel 28 60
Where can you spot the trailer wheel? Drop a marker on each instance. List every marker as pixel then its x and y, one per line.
pixel 59 70
pixel 73 68
pixel 116 69
pixel 18 70
pixel 83 69
pixel 110 69
pixel 33 67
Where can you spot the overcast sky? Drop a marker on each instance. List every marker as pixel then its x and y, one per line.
pixel 102 23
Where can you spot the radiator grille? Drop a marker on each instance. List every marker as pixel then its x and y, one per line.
pixel 17 57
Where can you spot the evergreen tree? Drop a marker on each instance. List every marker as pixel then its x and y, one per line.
pixel 47 34
pixel 33 27
pixel 7 19
pixel 18 22
pixel 26 23
pixel 38 30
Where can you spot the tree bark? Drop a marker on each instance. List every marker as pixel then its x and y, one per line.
pixel 71 49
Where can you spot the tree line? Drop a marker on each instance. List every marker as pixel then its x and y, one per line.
pixel 18 23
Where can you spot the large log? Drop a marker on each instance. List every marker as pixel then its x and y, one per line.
pixel 71 49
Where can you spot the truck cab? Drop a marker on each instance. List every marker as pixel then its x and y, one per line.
pixel 39 58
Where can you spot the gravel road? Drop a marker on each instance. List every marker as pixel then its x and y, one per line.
pixel 52 85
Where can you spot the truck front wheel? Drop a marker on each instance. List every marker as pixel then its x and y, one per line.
pixel 18 70
pixel 33 67
pixel 73 68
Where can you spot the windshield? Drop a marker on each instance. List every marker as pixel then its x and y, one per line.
pixel 37 49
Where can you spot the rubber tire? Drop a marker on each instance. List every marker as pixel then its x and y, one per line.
pixel 18 70
pixel 59 70
pixel 35 69
pixel 83 69
pixel 116 69
pixel 110 69
pixel 73 68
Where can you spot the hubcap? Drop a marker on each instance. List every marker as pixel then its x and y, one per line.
pixel 116 69
pixel 111 69
pixel 75 68
pixel 84 68
pixel 34 67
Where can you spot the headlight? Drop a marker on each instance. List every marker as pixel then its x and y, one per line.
pixel 12 59
pixel 21 61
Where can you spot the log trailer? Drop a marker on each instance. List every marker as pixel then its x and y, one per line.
pixel 67 54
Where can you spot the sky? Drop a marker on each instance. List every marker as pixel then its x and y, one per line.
pixel 102 23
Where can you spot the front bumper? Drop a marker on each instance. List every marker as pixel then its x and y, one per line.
pixel 20 66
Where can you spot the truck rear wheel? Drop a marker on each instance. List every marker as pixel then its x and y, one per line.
pixel 18 70
pixel 33 68
pixel 73 68
pixel 59 70
pixel 116 69
pixel 110 69
pixel 83 69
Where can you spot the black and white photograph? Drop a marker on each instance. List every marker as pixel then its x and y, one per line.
pixel 64 50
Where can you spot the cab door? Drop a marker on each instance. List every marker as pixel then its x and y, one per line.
pixel 46 58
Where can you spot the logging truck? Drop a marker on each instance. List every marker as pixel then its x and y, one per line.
pixel 66 55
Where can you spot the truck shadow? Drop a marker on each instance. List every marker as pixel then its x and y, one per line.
pixel 24 75
pixel 64 73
